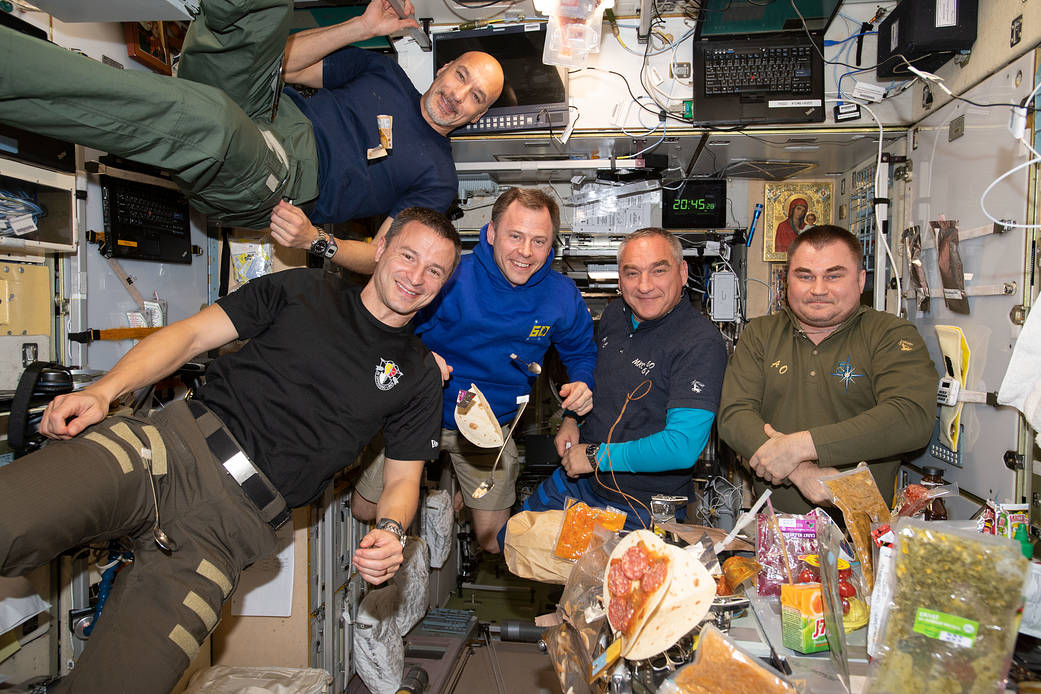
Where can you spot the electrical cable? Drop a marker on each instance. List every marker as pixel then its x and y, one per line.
pixel 879 236
pixel 1036 159
pixel 15 205
pixel 806 29
pixel 449 6
pixel 629 397
pixel 910 66
pixel 769 292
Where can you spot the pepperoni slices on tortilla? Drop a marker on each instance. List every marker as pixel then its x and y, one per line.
pixel 635 582
pixel 654 593
pixel 687 600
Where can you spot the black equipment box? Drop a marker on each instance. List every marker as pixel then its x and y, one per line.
pixel 927 34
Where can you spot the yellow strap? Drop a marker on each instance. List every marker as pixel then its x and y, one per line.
pixel 124 432
pixel 113 448
pixel 187 643
pixel 208 570
pixel 155 442
pixel 955 348
pixel 194 602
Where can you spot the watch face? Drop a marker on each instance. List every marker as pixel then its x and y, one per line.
pixel 319 246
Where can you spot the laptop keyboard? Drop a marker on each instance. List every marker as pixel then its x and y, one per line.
pixel 149 207
pixel 766 69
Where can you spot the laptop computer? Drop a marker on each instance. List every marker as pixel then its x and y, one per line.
pixel 756 63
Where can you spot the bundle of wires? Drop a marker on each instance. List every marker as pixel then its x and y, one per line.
pixel 14 205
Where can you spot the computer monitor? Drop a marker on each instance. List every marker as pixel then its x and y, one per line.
pixel 534 95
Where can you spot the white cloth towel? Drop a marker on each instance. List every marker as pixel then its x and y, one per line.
pixel 1021 386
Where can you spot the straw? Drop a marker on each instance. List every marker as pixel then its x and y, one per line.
pixel 741 523
pixel 780 539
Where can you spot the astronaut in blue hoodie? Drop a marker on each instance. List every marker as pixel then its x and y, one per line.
pixel 504 299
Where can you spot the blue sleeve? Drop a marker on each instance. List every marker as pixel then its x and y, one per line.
pixel 676 447
pixel 343 65
pixel 575 343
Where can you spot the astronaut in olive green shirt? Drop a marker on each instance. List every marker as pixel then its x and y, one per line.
pixel 827 382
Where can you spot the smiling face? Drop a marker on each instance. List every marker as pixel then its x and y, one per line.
pixel 650 278
pixel 824 284
pixel 521 241
pixel 410 271
pixel 462 91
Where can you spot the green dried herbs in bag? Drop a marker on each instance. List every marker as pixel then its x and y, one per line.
pixel 951 622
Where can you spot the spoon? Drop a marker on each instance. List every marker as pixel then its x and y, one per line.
pixel 486 486
pixel 533 367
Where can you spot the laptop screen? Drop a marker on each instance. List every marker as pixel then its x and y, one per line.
pixel 740 17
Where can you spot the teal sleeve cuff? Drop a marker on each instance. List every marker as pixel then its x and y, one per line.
pixel 676 447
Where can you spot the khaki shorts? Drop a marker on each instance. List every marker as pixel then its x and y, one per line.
pixel 471 464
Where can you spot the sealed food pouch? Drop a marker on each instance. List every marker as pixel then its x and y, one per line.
pixel 528 548
pixel 385 125
pixel 793 536
pixel 857 496
pixel 951 621
pixel 577 528
pixel 720 667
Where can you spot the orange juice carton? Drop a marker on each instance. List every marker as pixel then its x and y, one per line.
pixel 802 617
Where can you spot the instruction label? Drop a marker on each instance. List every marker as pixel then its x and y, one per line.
pixel 798 527
pixel 946 13
pixel 793 103
pixel 948 628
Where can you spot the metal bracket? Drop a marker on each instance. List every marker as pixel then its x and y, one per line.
pixel 643 31
pixel 1018 314
pixel 1005 226
pixel 1013 461
pixel 1003 289
pixel 30 353
pixel 903 173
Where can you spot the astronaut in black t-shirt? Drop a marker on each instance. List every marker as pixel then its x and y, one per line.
pixel 304 395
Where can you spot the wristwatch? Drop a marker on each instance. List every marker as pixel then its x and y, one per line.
pixel 591 449
pixel 324 246
pixel 392 526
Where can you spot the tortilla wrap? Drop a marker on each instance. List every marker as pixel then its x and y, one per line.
pixel 478 424
pixel 686 602
pixel 640 616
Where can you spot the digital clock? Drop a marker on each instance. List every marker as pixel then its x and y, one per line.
pixel 697 203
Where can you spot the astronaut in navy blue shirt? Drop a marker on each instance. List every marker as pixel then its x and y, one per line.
pixel 663 362
pixel 361 175
pixel 365 143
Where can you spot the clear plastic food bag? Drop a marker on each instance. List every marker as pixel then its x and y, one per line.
pixel 720 667
pixel 950 625
pixel 857 496
pixel 915 498
pixel 797 537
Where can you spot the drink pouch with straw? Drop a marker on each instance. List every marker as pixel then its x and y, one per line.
pixel 784 535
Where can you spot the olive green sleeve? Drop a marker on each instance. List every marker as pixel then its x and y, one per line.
pixel 740 407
